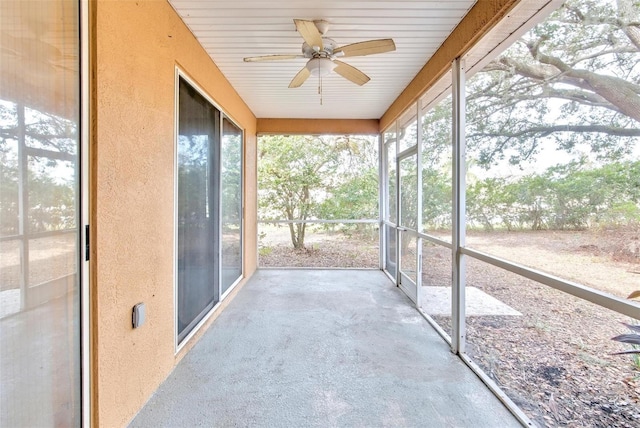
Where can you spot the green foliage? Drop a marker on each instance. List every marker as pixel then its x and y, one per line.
pixel 489 200
pixel 305 177
pixel 51 204
pixel 436 197
pixel 571 196
pixel 265 251
pixel 436 166
pixel 231 177
pixel 632 338
pixel 355 198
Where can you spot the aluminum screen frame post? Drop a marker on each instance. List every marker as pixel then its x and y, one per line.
pixel 382 243
pixel 420 204
pixel 459 209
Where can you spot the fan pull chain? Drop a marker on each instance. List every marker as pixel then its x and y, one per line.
pixel 320 83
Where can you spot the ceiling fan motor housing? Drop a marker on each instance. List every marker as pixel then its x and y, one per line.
pixel 327 49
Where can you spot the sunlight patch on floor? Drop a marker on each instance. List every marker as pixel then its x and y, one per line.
pixel 437 301
pixel 9 302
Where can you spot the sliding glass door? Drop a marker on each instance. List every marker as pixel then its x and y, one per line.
pixel 40 224
pixel 209 206
pixel 198 127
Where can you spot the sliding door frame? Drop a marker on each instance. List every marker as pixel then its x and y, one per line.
pixel 84 230
pixel 215 181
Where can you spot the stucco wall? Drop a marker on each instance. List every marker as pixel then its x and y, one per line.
pixel 136 47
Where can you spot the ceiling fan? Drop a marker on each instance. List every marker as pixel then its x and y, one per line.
pixel 322 53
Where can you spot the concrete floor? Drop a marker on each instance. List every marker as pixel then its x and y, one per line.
pixel 322 348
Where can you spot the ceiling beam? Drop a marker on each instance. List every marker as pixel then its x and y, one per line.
pixel 318 126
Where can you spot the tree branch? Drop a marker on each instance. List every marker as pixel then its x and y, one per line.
pixel 613 51
pixel 546 130
pixel 631 29
pixel 621 93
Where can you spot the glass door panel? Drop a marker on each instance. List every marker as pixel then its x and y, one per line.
pixel 230 205
pixel 198 130
pixel 40 342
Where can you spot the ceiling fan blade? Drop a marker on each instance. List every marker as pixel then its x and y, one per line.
pixel 271 58
pixel 366 48
pixel 351 73
pixel 300 78
pixel 309 32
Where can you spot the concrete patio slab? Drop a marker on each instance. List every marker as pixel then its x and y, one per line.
pixel 322 348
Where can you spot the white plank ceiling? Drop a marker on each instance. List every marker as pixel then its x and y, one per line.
pixel 230 30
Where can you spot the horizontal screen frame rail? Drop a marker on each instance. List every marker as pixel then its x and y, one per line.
pixel 362 221
pixel 600 298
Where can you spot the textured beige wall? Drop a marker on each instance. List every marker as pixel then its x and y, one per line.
pixel 136 47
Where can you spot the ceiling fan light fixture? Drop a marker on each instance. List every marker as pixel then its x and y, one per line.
pixel 320 66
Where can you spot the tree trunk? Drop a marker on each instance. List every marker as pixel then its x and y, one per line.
pixel 302 228
pixel 292 233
